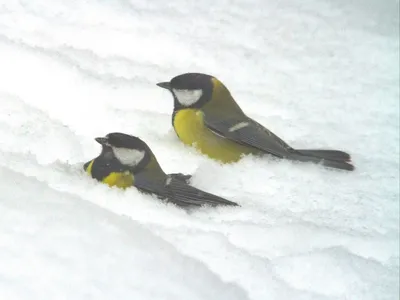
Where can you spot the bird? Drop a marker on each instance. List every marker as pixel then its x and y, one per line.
pixel 127 161
pixel 207 117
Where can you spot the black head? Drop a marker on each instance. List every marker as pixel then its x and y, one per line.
pixel 122 140
pixel 190 89
pixel 129 150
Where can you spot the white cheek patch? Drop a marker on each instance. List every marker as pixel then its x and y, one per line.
pixel 187 97
pixel 238 126
pixel 129 157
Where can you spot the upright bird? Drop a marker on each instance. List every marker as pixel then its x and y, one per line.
pixel 207 117
pixel 127 161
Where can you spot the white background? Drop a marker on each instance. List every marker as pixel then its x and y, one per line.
pixel 320 74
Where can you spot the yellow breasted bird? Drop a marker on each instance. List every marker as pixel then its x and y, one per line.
pixel 127 161
pixel 207 117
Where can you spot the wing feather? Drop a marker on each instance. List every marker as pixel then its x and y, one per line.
pixel 177 191
pixel 248 132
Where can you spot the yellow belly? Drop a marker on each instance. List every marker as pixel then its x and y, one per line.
pixel 121 180
pixel 118 179
pixel 189 126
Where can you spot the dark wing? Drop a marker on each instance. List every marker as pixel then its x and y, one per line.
pixel 246 131
pixel 176 191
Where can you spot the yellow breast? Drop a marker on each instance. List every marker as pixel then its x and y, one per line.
pixel 190 128
pixel 121 180
pixel 118 179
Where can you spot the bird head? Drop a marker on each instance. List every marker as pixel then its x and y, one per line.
pixel 129 150
pixel 192 90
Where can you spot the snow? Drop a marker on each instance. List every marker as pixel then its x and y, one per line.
pixel 317 73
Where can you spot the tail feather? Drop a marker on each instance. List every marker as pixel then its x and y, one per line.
pixel 326 154
pixel 338 164
pixel 327 158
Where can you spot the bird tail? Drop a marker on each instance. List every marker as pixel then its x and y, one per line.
pixel 329 158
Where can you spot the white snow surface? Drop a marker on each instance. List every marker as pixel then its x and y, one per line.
pixel 320 74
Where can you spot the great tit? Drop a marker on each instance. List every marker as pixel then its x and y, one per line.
pixel 127 161
pixel 207 117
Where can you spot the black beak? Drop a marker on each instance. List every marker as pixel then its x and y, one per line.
pixel 101 140
pixel 165 85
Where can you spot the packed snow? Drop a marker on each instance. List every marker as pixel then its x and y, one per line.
pixel 320 74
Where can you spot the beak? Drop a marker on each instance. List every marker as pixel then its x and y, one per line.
pixel 165 85
pixel 101 140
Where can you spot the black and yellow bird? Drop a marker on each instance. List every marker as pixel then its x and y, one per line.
pixel 127 161
pixel 207 117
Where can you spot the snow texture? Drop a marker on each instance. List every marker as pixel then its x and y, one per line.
pixel 320 74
